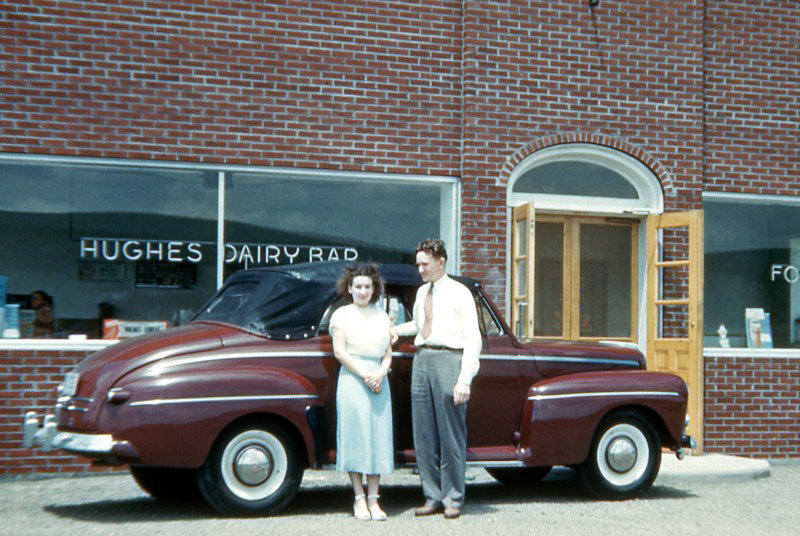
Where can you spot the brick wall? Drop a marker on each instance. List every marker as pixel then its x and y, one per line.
pixel 753 97
pixel 334 84
pixel 28 381
pixel 752 405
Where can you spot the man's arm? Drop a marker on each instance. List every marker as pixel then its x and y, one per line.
pixel 407 328
pixel 470 359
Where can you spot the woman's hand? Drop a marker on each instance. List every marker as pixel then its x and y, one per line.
pixel 374 380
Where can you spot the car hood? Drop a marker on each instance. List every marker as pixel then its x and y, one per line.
pixel 98 372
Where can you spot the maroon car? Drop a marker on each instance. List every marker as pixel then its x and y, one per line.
pixel 239 402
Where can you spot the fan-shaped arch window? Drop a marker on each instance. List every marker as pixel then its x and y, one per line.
pixel 581 177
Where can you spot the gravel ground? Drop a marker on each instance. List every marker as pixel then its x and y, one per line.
pixel 112 505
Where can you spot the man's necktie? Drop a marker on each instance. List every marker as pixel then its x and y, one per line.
pixel 427 326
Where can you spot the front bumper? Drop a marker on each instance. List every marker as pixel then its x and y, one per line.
pixel 47 437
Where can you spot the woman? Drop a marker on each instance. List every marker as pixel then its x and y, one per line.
pixel 364 440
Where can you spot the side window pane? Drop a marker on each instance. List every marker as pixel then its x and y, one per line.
pixel 549 274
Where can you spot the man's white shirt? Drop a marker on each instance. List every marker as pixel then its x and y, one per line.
pixel 455 323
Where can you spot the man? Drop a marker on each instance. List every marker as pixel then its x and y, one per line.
pixel 448 342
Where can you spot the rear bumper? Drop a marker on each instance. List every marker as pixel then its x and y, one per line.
pixel 47 437
pixel 688 443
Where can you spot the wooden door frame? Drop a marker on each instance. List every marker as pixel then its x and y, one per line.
pixel 681 356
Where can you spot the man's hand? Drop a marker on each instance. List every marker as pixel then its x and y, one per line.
pixel 393 335
pixel 461 393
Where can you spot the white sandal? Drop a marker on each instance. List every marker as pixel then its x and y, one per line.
pixel 374 509
pixel 366 516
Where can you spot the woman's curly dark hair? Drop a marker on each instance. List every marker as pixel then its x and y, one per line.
pixel 351 271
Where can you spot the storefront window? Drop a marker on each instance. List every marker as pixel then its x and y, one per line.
pixel 752 271
pixel 117 250
pixel 283 219
pixel 106 242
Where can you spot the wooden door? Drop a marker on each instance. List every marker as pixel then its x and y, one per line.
pixel 675 304
pixel 522 271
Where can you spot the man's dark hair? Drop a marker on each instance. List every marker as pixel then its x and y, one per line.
pixel 433 247
pixel 351 271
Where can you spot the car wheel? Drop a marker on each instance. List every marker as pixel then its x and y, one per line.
pixel 624 459
pixel 166 483
pixel 518 476
pixel 252 469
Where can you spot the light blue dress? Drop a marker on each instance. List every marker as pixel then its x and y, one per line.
pixel 364 441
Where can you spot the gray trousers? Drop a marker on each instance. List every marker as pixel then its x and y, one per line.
pixel 440 427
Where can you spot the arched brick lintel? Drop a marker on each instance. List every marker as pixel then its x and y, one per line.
pixel 628 148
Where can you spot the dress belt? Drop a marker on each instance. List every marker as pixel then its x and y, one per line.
pixel 437 347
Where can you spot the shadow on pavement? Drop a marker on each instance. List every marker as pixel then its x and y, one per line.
pixel 325 499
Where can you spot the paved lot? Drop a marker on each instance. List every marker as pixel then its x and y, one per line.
pixel 112 505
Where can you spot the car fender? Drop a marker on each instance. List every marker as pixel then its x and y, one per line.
pixel 561 415
pixel 198 405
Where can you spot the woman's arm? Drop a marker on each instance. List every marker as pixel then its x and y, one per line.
pixel 343 356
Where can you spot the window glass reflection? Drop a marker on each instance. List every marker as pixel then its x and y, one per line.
pixel 107 242
pixel 575 178
pixel 752 261
pixel 271 220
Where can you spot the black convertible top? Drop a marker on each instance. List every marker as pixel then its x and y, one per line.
pixel 288 302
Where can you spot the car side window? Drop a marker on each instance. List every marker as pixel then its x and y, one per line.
pixel 488 323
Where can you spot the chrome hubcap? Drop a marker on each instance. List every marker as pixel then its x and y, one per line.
pixel 621 454
pixel 253 465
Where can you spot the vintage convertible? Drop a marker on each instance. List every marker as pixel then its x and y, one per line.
pixel 239 402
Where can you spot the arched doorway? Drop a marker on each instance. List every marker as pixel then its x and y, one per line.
pixel 594 257
pixel 581 274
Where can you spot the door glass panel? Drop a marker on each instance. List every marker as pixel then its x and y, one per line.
pixel 549 273
pixel 605 281
pixel 521 268
pixel 522 312
pixel 522 238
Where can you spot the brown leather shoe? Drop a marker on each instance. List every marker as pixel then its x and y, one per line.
pixel 427 510
pixel 451 512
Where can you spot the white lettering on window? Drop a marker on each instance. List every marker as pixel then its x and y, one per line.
pixel 314 254
pixel 195 254
pixel 155 250
pixel 109 256
pixel 174 251
pixel 787 272
pixel 291 257
pixel 86 249
pixel 131 250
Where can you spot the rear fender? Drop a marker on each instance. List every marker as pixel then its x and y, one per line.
pixel 561 415
pixel 173 420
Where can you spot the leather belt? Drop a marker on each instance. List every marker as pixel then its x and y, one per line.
pixel 437 347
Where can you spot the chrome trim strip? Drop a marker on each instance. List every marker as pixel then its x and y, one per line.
pixel 499 357
pixel 317 354
pixel 605 393
pixel 505 463
pixel 581 360
pixel 240 355
pixel 165 401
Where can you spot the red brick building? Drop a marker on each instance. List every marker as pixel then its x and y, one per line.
pixel 149 148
